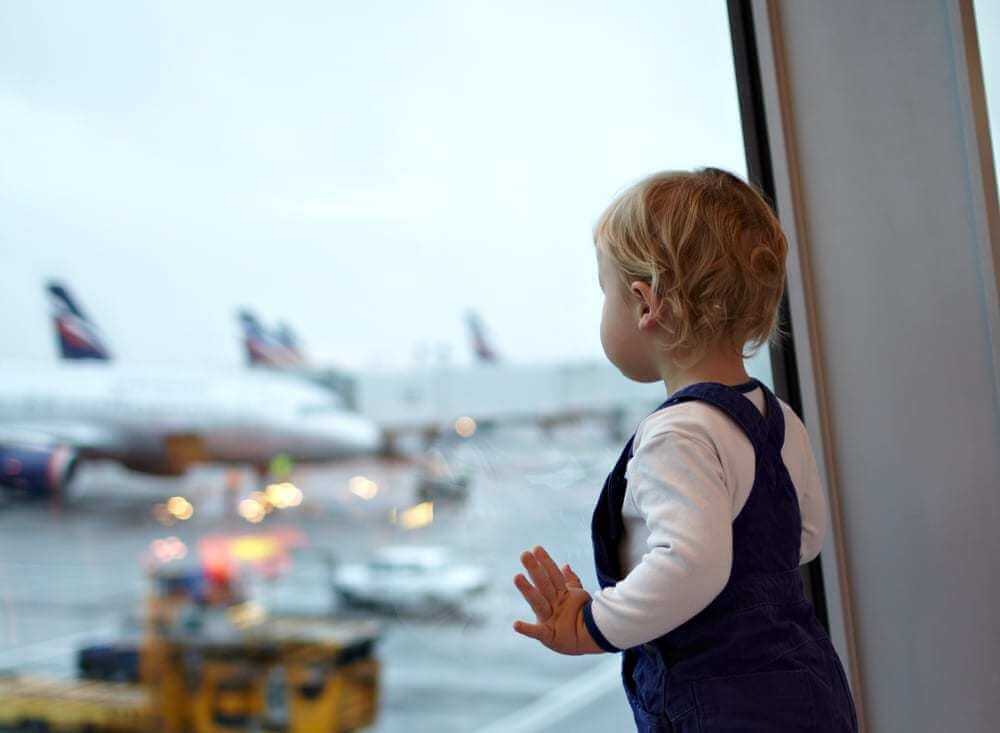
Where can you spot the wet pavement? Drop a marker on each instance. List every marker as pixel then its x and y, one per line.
pixel 72 574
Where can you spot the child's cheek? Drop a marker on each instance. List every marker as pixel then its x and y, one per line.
pixel 606 335
pixel 611 338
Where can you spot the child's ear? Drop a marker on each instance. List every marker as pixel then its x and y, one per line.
pixel 647 303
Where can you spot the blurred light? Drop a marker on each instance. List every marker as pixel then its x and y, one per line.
pixel 180 508
pixel 363 487
pixel 167 549
pixel 465 426
pixel 253 548
pixel 417 516
pixel 283 495
pixel 261 498
pixel 268 552
pixel 163 515
pixel 251 510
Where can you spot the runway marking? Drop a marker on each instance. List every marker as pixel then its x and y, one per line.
pixel 561 702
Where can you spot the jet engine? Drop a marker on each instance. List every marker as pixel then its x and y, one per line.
pixel 38 470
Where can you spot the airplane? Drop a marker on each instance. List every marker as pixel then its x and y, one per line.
pixel 157 420
pixel 490 391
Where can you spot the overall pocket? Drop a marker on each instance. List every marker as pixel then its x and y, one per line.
pixel 761 701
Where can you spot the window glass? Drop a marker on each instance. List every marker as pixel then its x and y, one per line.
pixel 247 245
pixel 988 31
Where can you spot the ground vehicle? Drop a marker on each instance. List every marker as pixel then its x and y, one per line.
pixel 409 578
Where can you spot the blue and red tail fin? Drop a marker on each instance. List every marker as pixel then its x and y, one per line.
pixel 264 348
pixel 290 340
pixel 77 336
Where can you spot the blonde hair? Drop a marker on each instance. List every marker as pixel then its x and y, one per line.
pixel 713 251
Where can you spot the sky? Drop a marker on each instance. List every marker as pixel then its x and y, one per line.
pixel 366 172
pixel 987 15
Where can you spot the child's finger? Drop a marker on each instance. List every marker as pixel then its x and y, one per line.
pixel 535 631
pixel 558 581
pixel 571 578
pixel 538 604
pixel 539 576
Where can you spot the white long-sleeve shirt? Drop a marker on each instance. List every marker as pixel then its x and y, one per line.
pixel 690 474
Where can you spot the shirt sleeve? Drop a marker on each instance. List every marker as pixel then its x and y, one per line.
pixel 678 486
pixel 812 505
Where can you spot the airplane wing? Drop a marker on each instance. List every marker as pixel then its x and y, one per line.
pixel 79 436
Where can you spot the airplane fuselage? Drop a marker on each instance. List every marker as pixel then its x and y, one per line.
pixel 161 419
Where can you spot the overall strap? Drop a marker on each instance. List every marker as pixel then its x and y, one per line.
pixel 760 429
pixel 774 418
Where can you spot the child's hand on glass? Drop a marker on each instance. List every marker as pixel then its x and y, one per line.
pixel 557 598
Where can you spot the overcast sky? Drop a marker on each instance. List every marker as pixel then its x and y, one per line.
pixel 364 171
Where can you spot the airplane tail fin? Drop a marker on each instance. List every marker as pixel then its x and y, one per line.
pixel 290 340
pixel 480 344
pixel 78 337
pixel 265 348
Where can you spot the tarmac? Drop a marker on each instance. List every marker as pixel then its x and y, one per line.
pixel 71 573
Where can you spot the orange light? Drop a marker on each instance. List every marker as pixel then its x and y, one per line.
pixel 283 495
pixel 180 508
pixel 251 510
pixel 419 515
pixel 363 487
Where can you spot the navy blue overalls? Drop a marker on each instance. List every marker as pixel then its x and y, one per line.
pixel 756 658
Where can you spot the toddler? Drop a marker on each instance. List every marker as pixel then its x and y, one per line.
pixel 715 500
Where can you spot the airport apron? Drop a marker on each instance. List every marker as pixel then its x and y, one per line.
pixel 756 658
